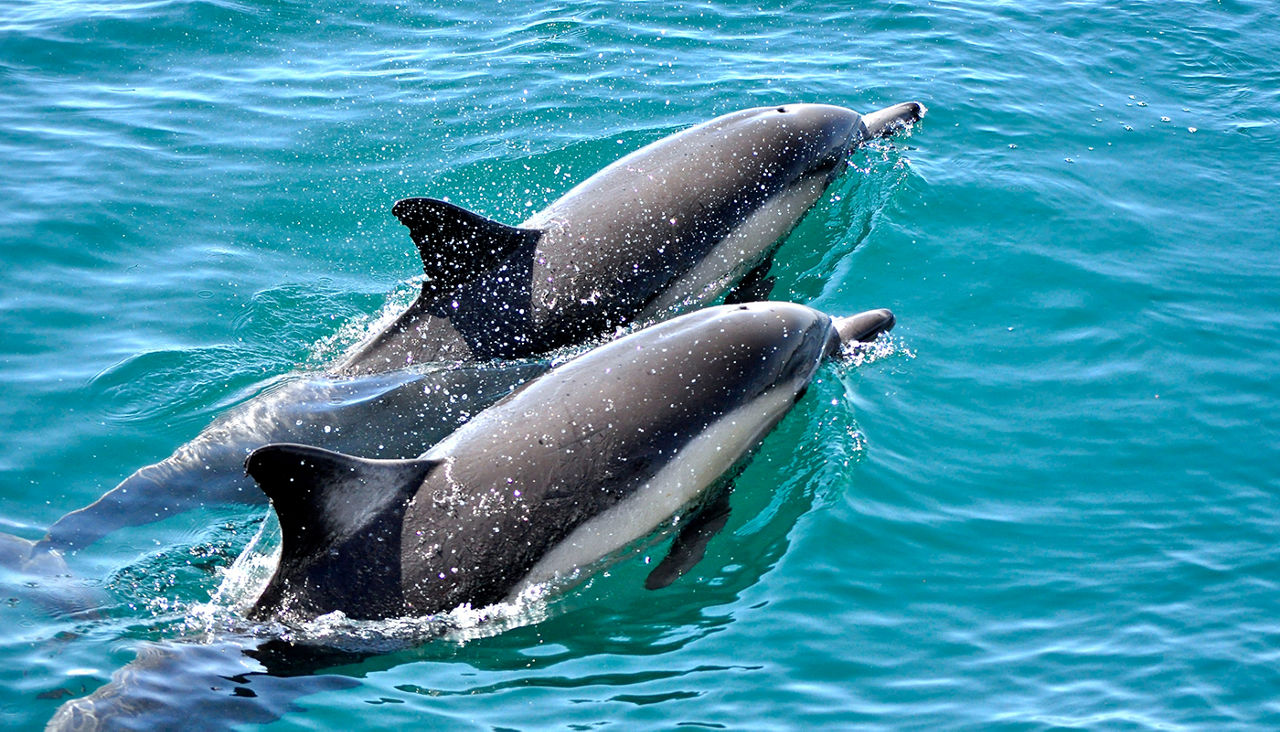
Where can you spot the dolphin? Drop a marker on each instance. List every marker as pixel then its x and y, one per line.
pixel 673 225
pixel 669 227
pixel 580 463
pixel 241 677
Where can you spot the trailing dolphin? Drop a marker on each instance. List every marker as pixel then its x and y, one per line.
pixel 578 464
pixel 672 225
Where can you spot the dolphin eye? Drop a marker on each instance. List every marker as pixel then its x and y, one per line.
pixel 782 109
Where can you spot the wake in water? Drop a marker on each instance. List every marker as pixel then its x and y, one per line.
pixel 221 669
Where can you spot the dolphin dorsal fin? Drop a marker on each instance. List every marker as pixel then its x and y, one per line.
pixel 456 245
pixel 340 521
pixel 317 490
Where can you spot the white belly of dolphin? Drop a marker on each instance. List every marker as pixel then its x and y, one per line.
pixel 741 250
pixel 697 466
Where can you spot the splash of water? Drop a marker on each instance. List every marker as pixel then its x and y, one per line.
pixel 327 349
pixel 244 580
pixel 857 354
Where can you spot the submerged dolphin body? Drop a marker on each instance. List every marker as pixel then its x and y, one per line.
pixel 580 463
pixel 374 414
pixel 672 225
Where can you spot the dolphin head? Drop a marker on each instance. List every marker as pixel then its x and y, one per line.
pixel 757 348
pixel 815 139
pixel 769 344
pixel 829 132
pixel 791 141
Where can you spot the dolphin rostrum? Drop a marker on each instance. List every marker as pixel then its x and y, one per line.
pixel 580 463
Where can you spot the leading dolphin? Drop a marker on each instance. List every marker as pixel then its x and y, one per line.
pixel 582 462
pixel 673 225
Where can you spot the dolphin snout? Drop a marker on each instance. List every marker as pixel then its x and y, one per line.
pixel 864 326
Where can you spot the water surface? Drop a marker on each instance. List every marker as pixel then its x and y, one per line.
pixel 1062 512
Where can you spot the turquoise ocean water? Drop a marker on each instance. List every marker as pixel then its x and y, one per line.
pixel 1056 504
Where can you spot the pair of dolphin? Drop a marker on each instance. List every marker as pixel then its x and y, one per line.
pixel 673 225
pixel 602 451
pixel 572 467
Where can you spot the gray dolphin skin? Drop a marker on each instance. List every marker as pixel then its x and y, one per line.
pixel 580 463
pixel 671 226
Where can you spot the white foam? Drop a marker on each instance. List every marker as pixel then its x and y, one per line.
pixel 856 354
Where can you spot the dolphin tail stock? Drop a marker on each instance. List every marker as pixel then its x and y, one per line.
pixel 36 573
pixel 885 122
pixel 340 519
pixel 31 558
pixel 164 488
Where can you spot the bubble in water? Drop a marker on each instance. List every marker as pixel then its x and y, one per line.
pixel 859 354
